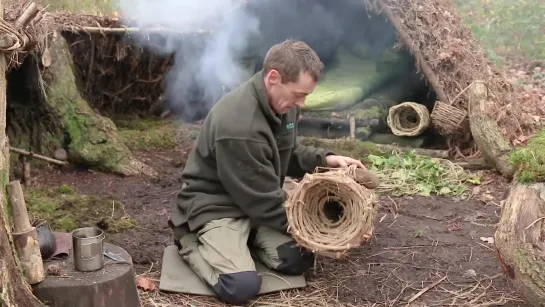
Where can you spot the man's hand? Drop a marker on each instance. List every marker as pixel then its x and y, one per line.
pixel 342 161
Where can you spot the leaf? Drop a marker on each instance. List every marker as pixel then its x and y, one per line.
pixel 376 160
pixel 425 190
pixel 474 180
pixel 145 284
pixel 445 191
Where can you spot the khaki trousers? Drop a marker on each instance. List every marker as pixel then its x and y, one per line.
pixel 222 253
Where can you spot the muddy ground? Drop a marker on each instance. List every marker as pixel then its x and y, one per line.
pixel 417 242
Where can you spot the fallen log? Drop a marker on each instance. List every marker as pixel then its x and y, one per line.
pixel 336 122
pixel 434 153
pixel 356 148
pixel 485 130
pixel 519 241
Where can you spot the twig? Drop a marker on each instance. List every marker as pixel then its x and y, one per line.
pixel 33 155
pixel 417 295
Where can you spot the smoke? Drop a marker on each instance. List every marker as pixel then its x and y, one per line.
pixel 205 66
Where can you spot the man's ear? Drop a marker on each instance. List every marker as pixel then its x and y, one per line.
pixel 274 77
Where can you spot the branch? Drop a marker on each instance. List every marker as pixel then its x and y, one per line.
pixel 101 30
pixel 26 17
pixel 33 155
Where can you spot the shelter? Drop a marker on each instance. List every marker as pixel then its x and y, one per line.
pixel 118 76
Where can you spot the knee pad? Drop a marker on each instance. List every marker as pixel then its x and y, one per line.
pixel 294 259
pixel 237 288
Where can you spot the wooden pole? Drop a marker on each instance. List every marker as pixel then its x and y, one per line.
pixel 25 236
pixel 128 30
pixel 33 155
pixel 420 60
pixel 25 170
pixel 352 121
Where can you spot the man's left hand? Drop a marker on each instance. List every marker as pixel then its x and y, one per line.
pixel 342 161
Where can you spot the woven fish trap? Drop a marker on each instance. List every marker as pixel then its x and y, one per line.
pixel 330 213
pixel 447 119
pixel 408 119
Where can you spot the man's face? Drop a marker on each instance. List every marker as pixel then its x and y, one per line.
pixel 283 97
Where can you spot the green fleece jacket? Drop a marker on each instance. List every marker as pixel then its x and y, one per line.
pixel 241 157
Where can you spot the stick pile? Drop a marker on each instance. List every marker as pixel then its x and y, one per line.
pixel 331 212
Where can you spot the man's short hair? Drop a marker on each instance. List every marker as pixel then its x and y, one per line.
pixel 290 58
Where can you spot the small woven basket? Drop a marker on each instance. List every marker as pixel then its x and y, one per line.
pixel 447 119
pixel 330 213
pixel 408 119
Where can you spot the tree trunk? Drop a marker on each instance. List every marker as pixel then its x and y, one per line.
pixel 14 291
pixel 485 130
pixel 519 241
pixel 60 118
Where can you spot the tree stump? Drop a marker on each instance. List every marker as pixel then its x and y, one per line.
pixel 520 243
pixel 112 286
pixel 47 112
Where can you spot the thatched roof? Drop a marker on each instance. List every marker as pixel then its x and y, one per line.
pixel 455 57
pixel 429 28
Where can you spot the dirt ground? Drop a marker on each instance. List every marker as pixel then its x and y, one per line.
pixel 425 251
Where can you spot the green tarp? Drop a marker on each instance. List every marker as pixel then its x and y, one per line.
pixel 354 76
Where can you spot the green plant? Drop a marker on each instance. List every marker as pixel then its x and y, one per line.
pixel 412 174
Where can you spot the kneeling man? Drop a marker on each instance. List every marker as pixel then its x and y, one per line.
pixel 230 208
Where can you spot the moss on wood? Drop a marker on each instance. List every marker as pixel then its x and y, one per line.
pixel 90 139
pixel 529 161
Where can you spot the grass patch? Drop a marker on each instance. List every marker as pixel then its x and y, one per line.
pixel 411 174
pixel 529 161
pixel 148 134
pixel 507 27
pixel 65 210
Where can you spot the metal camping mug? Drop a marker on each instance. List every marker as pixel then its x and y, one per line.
pixel 88 249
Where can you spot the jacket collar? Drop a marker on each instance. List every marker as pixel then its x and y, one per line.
pixel 260 93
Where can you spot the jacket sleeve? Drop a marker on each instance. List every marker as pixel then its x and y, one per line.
pixel 304 159
pixel 247 173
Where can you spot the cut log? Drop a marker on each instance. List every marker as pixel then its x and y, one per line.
pixel 486 132
pixel 25 236
pixel 519 241
pixel 61 118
